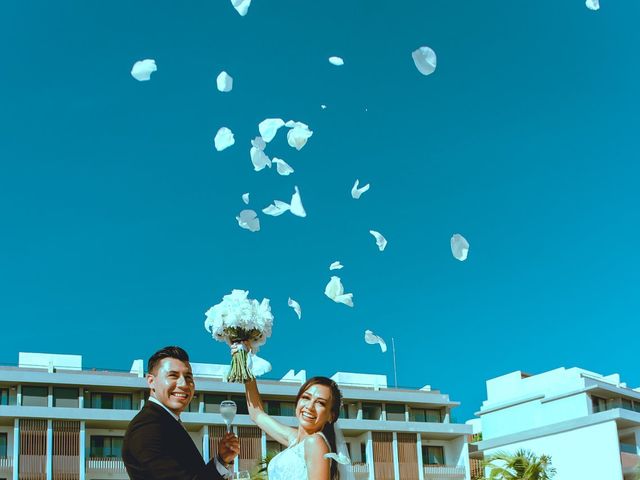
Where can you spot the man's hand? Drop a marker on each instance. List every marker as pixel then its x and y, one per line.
pixel 229 448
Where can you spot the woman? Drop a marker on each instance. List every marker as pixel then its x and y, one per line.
pixel 317 409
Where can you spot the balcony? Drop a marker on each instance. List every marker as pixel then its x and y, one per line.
pixel 438 472
pixel 6 463
pixel 106 465
pixel 358 468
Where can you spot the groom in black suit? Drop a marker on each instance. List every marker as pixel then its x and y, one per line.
pixel 156 445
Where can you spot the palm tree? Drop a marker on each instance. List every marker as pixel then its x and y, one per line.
pixel 522 465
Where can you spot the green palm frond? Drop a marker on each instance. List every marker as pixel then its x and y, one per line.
pixel 259 472
pixel 521 465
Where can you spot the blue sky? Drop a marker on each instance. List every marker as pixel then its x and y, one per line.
pixel 118 216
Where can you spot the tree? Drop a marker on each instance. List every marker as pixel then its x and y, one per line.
pixel 521 465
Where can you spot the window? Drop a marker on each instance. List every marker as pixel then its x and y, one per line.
pixel 4 396
pixel 274 447
pixel 105 447
pixel 599 404
pixel 349 410
pixel 627 404
pixel 432 455
pixel 241 402
pixel 212 402
pixel 111 401
pixel 425 415
pixel 35 396
pixel 283 409
pixel 371 411
pixel 395 412
pixel 194 404
pixel 363 453
pixel 65 397
pixel 3 445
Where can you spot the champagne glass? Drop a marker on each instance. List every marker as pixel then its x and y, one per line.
pixel 228 409
pixel 242 475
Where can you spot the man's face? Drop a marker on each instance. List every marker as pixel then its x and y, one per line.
pixel 172 384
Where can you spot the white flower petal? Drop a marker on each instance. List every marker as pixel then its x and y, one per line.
pixel 380 240
pixel 245 198
pixel 335 266
pixel 323 107
pixel 282 167
pixel 298 135
pixel 338 457
pixel 269 127
pixel 425 60
pixel 459 247
pixel 223 139
pixel 296 204
pixel 593 4
pixel 249 219
pixel 259 143
pixel 337 61
pixel 372 339
pixel 335 291
pixel 241 6
pixel 143 69
pixel 296 307
pixel 259 159
pixel 356 192
pixel 258 366
pixel 224 82
pixel 276 209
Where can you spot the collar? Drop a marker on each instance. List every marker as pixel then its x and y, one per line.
pixel 155 400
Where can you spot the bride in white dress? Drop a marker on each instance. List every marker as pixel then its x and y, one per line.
pixel 317 409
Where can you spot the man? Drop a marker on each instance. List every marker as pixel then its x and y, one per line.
pixel 156 445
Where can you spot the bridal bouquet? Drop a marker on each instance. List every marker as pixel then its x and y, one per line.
pixel 240 319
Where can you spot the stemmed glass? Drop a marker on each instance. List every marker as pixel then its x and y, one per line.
pixel 228 409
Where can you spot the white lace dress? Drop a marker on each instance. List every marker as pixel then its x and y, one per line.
pixel 289 464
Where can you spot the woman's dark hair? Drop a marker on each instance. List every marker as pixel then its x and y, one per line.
pixel 336 402
pixel 166 352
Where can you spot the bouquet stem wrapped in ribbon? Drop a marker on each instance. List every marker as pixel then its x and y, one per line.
pixel 240 320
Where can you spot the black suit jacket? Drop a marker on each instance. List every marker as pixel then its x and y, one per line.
pixel 157 447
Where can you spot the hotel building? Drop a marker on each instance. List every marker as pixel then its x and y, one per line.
pixel 588 423
pixel 60 421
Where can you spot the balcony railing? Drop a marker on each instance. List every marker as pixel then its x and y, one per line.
pixel 6 463
pixel 105 464
pixel 359 468
pixel 443 471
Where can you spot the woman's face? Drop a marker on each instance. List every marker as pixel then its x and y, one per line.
pixel 314 408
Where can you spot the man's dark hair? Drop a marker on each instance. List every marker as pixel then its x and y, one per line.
pixel 166 352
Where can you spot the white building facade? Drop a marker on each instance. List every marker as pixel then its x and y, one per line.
pixel 588 423
pixel 60 421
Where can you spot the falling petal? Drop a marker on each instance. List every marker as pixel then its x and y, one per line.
pixel 298 135
pixel 372 339
pixel 341 458
pixel 282 167
pixel 593 4
pixel 269 127
pixel 258 142
pixel 259 159
pixel 335 291
pixel 241 6
pixel 335 266
pixel 356 192
pixel 323 107
pixel 143 69
pixel 245 198
pixel 296 307
pixel 337 61
pixel 223 139
pixel 224 82
pixel 296 204
pixel 277 208
pixel 249 219
pixel 459 247
pixel 258 366
pixel 380 240
pixel 425 60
